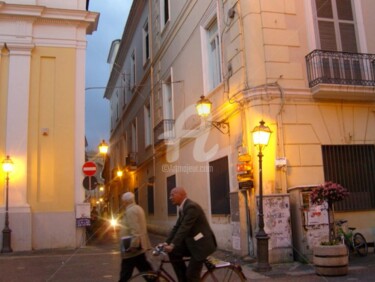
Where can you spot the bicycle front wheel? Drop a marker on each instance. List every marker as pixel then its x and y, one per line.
pixel 359 244
pixel 230 273
pixel 150 276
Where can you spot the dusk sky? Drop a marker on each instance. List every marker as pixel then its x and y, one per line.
pixel 113 15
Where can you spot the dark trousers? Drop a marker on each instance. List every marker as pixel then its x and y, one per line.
pixel 127 266
pixel 189 273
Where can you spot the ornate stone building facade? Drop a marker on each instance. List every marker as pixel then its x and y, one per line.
pixel 306 68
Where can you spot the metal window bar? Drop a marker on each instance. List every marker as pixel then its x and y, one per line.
pixel 353 167
pixel 332 67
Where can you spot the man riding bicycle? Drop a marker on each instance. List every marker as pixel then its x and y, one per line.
pixel 191 236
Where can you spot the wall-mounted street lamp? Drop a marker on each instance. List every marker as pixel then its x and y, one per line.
pixel 103 148
pixel 8 168
pixel 119 173
pixel 203 107
pixel 261 136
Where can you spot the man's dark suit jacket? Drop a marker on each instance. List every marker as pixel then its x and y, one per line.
pixel 193 230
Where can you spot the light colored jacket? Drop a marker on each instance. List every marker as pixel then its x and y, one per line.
pixel 134 225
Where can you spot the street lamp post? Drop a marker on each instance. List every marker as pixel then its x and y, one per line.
pixel 261 135
pixel 7 167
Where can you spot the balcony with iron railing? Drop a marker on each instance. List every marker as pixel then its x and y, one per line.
pixel 343 75
pixel 131 161
pixel 164 131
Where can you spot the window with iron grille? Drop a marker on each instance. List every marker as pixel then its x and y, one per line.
pixel 352 166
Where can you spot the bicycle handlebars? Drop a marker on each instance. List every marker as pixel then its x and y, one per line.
pixel 158 250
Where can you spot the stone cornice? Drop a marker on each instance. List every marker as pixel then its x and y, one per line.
pixel 19 48
pixel 41 14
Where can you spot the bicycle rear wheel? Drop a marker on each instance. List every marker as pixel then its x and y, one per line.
pixel 359 244
pixel 150 276
pixel 230 273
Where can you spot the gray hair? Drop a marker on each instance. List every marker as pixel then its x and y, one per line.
pixel 128 197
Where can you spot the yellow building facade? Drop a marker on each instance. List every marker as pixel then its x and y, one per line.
pixel 42 75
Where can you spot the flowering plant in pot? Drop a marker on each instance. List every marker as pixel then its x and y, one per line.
pixel 330 258
pixel 330 193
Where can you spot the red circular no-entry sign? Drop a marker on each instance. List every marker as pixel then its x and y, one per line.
pixel 89 168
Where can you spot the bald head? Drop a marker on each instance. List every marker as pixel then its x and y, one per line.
pixel 177 195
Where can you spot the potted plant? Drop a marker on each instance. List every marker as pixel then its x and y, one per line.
pixel 329 193
pixel 330 257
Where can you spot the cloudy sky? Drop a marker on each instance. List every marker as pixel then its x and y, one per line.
pixel 113 15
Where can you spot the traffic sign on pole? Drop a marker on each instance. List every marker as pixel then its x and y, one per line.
pixel 90 182
pixel 89 168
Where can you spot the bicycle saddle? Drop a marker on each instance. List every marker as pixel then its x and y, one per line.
pixel 341 222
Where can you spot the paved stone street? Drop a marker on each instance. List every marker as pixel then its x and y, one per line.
pixel 99 261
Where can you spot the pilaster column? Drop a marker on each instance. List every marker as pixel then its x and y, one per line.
pixel 17 118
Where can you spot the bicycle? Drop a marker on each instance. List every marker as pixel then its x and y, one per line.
pixel 217 271
pixel 353 241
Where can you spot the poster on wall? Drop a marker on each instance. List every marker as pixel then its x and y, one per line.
pixel 276 210
pixel 316 215
pixel 83 215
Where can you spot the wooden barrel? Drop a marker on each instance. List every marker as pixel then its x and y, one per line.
pixel 331 260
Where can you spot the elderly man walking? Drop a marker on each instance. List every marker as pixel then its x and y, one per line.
pixel 134 238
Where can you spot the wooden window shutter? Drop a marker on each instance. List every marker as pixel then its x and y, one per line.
pixel 324 9
pixel 327 36
pixel 344 10
pixel 348 40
